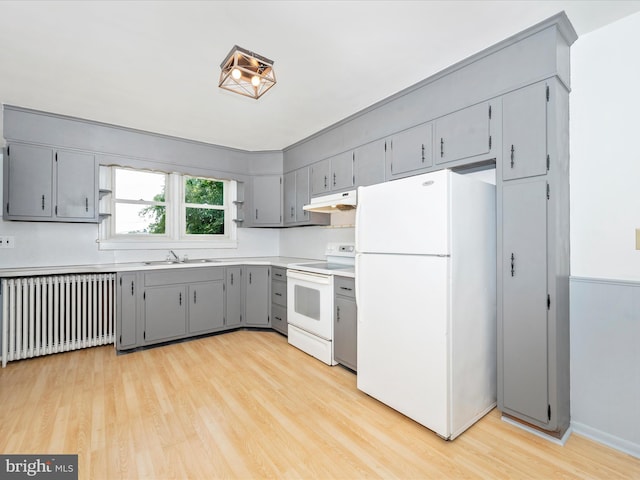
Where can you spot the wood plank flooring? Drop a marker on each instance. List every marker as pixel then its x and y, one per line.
pixel 247 405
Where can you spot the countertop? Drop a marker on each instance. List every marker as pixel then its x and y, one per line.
pixel 283 262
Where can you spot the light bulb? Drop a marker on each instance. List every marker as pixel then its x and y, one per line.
pixel 235 73
pixel 255 81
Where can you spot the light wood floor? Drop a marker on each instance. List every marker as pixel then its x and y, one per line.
pixel 247 405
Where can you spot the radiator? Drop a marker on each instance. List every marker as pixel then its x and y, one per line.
pixel 58 313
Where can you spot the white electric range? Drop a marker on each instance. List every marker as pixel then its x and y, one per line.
pixel 310 300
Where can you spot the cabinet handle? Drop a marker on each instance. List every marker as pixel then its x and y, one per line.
pixel 334 179
pixel 348 289
pixel 194 296
pixel 278 294
pixel 131 287
pixel 86 204
pixel 441 147
pixel 232 279
pixel 338 314
pixel 513 265
pixel 180 298
pixel 512 155
pixel 249 277
pixel 423 153
pixel 325 181
pixel 278 318
pixel 42 202
pixel 256 213
pixel 292 212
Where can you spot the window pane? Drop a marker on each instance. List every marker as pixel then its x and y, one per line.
pixel 135 185
pixel 204 221
pixel 203 191
pixel 139 219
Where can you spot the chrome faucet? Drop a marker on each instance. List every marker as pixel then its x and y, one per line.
pixel 177 259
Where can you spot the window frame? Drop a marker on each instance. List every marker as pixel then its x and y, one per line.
pixel 175 221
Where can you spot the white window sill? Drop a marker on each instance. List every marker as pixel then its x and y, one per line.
pixel 164 245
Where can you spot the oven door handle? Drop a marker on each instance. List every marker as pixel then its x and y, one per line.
pixel 309 277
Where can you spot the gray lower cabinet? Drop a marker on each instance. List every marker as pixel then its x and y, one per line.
pixel 279 300
pixel 233 297
pixel 410 150
pixel 257 293
pixel 464 133
pixel 206 307
pixel 43 184
pixel 345 332
pixel 127 301
pixel 165 313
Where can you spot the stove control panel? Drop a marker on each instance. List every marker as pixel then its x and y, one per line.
pixel 341 249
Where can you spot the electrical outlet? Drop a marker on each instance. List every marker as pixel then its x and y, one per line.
pixel 7 241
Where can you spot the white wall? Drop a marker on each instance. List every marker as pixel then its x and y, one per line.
pixel 605 158
pixel 605 211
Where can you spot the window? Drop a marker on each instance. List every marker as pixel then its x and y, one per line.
pixel 166 210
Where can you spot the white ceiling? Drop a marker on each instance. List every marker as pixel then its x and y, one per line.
pixel 154 65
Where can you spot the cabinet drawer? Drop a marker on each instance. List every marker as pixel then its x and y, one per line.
pixel 279 273
pixel 183 275
pixel 279 293
pixel 345 286
pixel 279 318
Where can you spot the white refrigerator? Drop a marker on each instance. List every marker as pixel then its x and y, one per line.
pixel 426 298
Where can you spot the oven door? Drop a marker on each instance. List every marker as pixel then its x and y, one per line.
pixel 310 302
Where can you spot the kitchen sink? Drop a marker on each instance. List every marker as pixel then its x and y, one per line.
pixel 162 262
pixel 200 260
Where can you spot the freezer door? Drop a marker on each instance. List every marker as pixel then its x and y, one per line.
pixel 406 216
pixel 403 335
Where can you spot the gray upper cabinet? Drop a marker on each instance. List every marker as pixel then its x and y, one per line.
pixel 76 191
pixel 410 150
pixel 342 176
pixel 28 185
pixel 321 177
pixel 524 328
pixel 42 184
pixel 464 133
pixel 267 200
pixel 369 163
pixel 257 296
pixel 296 196
pixel 524 132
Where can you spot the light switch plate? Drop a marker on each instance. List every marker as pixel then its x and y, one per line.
pixel 637 238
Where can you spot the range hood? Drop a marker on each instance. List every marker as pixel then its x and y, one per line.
pixel 332 203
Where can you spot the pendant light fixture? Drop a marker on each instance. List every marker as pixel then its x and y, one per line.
pixel 246 73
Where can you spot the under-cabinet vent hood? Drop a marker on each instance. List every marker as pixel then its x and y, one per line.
pixel 333 202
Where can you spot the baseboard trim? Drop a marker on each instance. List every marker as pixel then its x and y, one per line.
pixel 558 441
pixel 607 439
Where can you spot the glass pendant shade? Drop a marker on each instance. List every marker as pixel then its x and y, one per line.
pixel 246 73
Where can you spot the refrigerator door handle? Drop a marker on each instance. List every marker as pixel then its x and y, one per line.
pixel 357 292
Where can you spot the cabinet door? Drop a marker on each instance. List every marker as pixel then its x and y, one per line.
pixel 463 134
pixel 320 177
pixel 127 310
pixel 524 321
pixel 342 171
pixel 290 198
pixel 345 332
pixel 279 319
pixel 76 185
pixel 165 313
pixel 302 193
pixel 206 306
pixel 29 182
pixel 410 149
pixel 524 132
pixel 267 197
pixel 233 296
pixel 257 296
pixel 369 163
